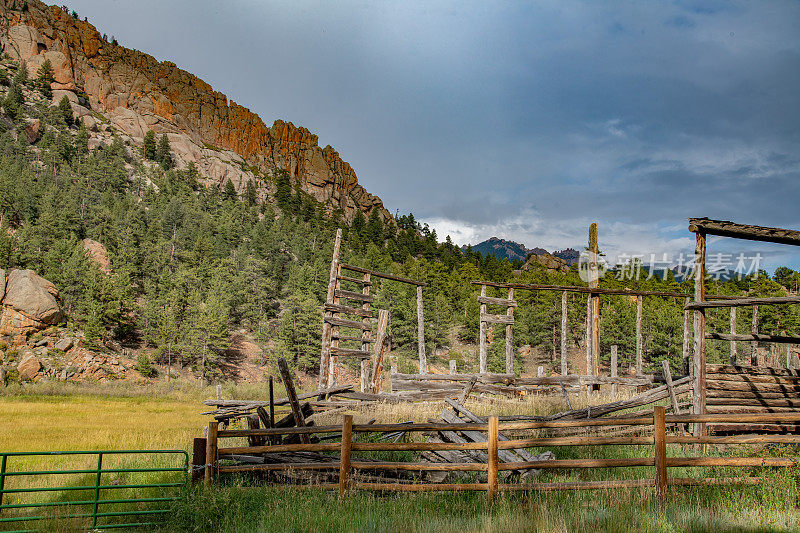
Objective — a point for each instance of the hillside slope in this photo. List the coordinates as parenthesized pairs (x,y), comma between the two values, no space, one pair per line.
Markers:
(137,93)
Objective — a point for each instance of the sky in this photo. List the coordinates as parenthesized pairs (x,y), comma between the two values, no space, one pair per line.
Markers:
(521,120)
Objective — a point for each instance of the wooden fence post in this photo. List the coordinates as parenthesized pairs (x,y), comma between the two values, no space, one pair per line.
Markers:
(493,438)
(639,340)
(344,466)
(327,329)
(211,452)
(482,336)
(198,459)
(510,336)
(423,361)
(660,441)
(453,369)
(699,361)
(614,370)
(733,332)
(564,333)
(754,344)
(687,340)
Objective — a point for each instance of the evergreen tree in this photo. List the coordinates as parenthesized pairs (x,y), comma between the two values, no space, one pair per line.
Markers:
(21,76)
(250,195)
(65,108)
(283,192)
(149,145)
(230,191)
(12,103)
(163,153)
(44,78)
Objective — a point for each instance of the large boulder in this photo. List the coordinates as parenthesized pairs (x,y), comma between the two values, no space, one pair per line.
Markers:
(98,254)
(33,296)
(28,367)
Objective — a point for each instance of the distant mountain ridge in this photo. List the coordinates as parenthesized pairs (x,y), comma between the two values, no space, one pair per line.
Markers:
(505,249)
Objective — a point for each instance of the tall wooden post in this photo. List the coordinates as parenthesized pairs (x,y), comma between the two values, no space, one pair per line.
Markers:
(482,348)
(733,332)
(510,336)
(687,340)
(326,327)
(493,438)
(754,344)
(614,370)
(589,358)
(378,349)
(639,340)
(453,369)
(365,334)
(594,282)
(699,363)
(564,333)
(660,442)
(423,362)
(344,465)
(211,452)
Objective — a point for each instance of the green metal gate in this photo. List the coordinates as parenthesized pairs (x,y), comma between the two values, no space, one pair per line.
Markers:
(94,509)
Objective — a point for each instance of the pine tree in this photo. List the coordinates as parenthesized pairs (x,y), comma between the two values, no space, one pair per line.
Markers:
(230,191)
(149,145)
(65,108)
(21,76)
(12,103)
(283,192)
(163,153)
(82,141)
(250,195)
(44,78)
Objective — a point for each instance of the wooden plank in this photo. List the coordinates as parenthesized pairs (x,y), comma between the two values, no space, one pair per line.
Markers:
(198,459)
(482,336)
(754,386)
(297,412)
(742,302)
(744,231)
(564,333)
(346,445)
(384,275)
(358,311)
(477,436)
(496,319)
(281,401)
(493,450)
(423,361)
(347,323)
(753,370)
(467,390)
(660,450)
(507,302)
(754,338)
(351,295)
(359,281)
(351,352)
(749,394)
(766,402)
(668,378)
(589,290)
(699,362)
(351,338)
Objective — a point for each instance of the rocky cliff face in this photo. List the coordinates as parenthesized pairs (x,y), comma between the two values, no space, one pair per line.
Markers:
(136,93)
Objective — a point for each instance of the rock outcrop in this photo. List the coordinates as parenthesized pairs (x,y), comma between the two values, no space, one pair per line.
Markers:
(137,93)
(549,262)
(29,303)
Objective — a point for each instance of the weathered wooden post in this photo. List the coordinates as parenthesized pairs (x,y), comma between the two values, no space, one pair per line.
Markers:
(198,459)
(699,363)
(754,343)
(378,349)
(589,358)
(453,369)
(668,380)
(660,442)
(365,334)
(564,333)
(291,394)
(594,283)
(733,333)
(324,361)
(614,370)
(211,452)
(687,340)
(344,465)
(510,335)
(639,340)
(493,438)
(482,339)
(423,362)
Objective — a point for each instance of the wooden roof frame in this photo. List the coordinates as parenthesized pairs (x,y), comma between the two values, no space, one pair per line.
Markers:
(749,232)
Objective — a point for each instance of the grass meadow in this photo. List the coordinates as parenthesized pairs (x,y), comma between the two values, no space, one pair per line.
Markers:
(124,416)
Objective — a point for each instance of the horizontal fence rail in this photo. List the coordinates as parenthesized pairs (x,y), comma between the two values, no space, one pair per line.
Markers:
(92,509)
(347,464)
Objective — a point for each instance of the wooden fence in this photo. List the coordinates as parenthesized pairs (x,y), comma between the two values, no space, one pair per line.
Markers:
(349,466)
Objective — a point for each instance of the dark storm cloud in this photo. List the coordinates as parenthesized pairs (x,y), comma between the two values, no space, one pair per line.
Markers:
(507,116)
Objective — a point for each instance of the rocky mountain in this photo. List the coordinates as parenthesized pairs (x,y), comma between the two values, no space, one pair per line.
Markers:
(106,82)
(503,249)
